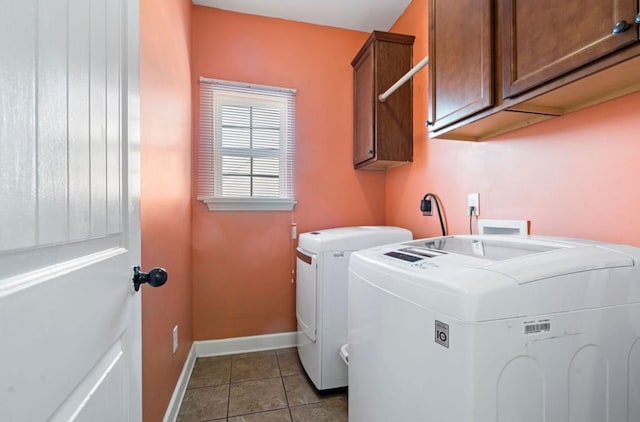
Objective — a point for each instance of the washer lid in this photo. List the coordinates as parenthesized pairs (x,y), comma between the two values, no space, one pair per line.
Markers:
(523,259)
(487,247)
(559,262)
(352,238)
(476,278)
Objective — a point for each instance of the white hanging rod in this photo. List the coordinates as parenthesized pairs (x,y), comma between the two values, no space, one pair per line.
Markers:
(383,97)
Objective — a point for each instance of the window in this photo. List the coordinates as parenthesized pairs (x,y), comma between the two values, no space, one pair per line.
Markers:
(246,146)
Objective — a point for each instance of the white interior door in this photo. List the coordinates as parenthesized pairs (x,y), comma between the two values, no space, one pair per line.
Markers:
(69,228)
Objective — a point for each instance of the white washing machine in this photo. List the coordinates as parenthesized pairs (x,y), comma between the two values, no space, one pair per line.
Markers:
(495,329)
(321,296)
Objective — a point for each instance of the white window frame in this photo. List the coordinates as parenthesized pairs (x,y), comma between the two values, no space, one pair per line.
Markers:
(212,151)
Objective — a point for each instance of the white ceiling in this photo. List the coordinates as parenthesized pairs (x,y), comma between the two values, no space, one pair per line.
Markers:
(360,15)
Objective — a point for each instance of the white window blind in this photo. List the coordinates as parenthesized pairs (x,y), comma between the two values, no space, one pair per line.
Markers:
(247,146)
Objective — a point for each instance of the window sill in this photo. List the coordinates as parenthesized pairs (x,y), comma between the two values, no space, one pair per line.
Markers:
(248,204)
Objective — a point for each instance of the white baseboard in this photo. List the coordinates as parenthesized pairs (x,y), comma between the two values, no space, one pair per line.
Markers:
(235,345)
(181,387)
(227,346)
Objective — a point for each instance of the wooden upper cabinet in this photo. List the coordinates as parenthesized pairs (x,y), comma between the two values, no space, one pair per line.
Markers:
(383,131)
(545,39)
(550,58)
(460,59)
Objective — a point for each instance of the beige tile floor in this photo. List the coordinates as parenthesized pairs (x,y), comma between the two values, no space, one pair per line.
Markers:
(266,386)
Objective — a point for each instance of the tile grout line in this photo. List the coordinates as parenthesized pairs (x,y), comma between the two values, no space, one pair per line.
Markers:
(229,389)
(284,389)
(251,380)
(257,412)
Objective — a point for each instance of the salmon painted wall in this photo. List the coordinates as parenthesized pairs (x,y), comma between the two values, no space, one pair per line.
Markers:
(165,103)
(242,261)
(575,176)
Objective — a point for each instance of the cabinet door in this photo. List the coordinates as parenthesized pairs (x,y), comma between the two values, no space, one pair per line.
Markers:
(394,117)
(460,59)
(544,39)
(364,119)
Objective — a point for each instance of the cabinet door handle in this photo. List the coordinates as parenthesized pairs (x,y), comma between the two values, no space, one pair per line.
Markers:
(370,152)
(638,18)
(620,27)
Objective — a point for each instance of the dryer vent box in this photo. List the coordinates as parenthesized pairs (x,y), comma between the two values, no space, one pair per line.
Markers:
(503,226)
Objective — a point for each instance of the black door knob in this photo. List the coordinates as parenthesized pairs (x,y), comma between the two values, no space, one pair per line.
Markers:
(156,277)
(620,27)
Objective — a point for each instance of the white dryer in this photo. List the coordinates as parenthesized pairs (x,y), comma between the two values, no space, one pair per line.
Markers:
(495,329)
(321,296)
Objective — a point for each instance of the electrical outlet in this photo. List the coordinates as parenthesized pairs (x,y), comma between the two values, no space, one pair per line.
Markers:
(175,338)
(473,200)
(294,231)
